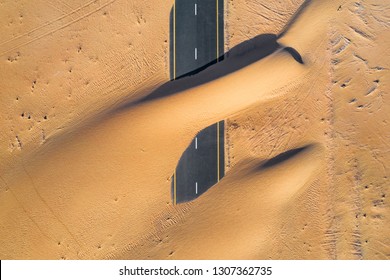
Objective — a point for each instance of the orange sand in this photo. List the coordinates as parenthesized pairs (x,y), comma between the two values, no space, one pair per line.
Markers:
(85,170)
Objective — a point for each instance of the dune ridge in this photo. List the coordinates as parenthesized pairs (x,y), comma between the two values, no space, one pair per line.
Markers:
(304,95)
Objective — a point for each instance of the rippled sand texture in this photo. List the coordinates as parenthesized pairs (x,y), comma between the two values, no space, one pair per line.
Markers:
(86,162)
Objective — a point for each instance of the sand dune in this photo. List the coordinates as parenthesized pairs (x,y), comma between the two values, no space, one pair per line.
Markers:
(92,130)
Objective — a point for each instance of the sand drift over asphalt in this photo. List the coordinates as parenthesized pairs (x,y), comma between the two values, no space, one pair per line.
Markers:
(302,93)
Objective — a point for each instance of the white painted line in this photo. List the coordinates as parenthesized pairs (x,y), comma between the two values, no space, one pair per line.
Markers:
(196,53)
(196,9)
(196,143)
(196,187)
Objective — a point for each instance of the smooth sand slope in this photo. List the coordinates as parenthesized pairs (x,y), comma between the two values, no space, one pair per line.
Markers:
(86,161)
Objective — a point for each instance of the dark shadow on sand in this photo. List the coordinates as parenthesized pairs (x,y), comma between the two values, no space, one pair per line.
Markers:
(283,157)
(238,57)
(294,54)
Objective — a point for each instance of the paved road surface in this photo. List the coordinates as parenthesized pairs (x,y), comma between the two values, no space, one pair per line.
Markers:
(197,35)
(201,166)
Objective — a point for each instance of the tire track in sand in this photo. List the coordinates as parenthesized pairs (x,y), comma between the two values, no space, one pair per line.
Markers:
(4,49)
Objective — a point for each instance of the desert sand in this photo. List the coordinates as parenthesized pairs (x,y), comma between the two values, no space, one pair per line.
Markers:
(86,161)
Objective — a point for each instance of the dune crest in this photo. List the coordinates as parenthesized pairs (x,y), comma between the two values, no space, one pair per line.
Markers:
(92,130)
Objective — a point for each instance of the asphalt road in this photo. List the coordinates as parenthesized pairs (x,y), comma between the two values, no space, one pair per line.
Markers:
(201,166)
(196,36)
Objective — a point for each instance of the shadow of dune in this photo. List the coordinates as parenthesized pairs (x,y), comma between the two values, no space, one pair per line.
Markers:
(283,157)
(238,57)
(295,54)
(235,59)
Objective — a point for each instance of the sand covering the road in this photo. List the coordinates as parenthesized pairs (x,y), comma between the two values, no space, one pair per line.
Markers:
(85,170)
